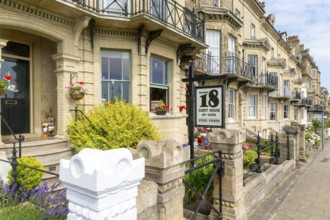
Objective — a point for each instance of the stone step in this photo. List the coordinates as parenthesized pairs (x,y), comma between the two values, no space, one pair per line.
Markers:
(50,156)
(34,147)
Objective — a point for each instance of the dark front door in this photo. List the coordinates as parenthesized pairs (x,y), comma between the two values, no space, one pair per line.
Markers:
(15,103)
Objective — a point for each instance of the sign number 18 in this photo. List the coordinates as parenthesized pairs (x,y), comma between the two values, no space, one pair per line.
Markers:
(213,99)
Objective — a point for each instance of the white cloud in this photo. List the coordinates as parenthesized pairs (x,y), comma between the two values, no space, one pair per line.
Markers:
(311,21)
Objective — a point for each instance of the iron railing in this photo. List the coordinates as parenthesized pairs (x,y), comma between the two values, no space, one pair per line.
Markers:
(76,117)
(274,153)
(218,168)
(19,139)
(265,79)
(296,95)
(307,101)
(168,12)
(216,65)
(282,92)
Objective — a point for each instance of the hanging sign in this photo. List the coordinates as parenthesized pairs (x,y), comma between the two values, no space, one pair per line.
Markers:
(209,108)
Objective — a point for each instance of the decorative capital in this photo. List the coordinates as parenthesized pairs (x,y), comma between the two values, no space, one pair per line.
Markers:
(291,129)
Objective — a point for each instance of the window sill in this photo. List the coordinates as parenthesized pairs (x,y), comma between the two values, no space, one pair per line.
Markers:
(167,116)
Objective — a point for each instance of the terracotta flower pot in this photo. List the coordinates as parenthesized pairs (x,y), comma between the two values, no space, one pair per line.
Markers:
(77,96)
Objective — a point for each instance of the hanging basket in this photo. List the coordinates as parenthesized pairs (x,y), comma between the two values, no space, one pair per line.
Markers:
(77,96)
(3,91)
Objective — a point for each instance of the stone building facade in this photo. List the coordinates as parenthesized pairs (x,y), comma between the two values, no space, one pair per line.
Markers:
(135,50)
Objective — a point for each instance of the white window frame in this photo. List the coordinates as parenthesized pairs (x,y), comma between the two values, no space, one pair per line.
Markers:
(165,85)
(231,104)
(109,81)
(231,54)
(272,111)
(253,61)
(263,106)
(286,112)
(213,41)
(252,102)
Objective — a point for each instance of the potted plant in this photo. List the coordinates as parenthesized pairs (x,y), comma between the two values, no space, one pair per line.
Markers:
(77,90)
(161,108)
(4,83)
(199,179)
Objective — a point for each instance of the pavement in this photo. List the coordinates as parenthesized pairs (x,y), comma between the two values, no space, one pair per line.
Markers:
(304,195)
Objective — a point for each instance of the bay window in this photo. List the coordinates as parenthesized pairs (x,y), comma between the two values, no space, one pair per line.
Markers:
(115,76)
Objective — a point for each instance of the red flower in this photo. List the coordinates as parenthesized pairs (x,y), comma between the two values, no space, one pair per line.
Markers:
(81,83)
(199,140)
(7,77)
(14,83)
(250,145)
(244,148)
(182,107)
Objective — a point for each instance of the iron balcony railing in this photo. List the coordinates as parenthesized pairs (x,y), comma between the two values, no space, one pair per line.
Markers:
(307,101)
(282,92)
(265,79)
(296,95)
(216,65)
(168,12)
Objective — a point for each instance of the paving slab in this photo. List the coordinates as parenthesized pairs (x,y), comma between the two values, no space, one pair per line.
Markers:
(304,195)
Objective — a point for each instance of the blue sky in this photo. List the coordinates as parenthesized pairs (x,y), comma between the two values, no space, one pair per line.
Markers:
(310,19)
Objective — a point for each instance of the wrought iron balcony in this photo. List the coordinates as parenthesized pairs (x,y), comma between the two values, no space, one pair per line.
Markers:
(307,101)
(316,108)
(265,80)
(167,12)
(282,93)
(215,65)
(296,96)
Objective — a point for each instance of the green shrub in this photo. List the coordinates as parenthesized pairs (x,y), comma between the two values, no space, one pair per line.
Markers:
(27,178)
(24,211)
(249,157)
(316,124)
(199,178)
(112,126)
(20,212)
(327,123)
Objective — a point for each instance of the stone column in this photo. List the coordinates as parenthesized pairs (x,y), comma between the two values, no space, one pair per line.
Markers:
(102,184)
(165,166)
(66,66)
(301,140)
(293,132)
(3,43)
(230,143)
(141,79)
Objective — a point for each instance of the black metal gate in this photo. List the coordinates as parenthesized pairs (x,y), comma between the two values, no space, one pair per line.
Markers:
(198,180)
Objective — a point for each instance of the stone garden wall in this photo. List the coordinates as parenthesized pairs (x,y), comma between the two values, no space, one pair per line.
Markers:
(146,183)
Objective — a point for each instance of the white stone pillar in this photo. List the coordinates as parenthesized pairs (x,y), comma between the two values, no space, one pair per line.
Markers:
(3,43)
(102,184)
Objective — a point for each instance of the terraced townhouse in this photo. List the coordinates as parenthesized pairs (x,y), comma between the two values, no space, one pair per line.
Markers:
(271,79)
(138,51)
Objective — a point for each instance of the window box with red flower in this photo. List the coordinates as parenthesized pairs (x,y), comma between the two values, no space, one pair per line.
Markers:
(161,108)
